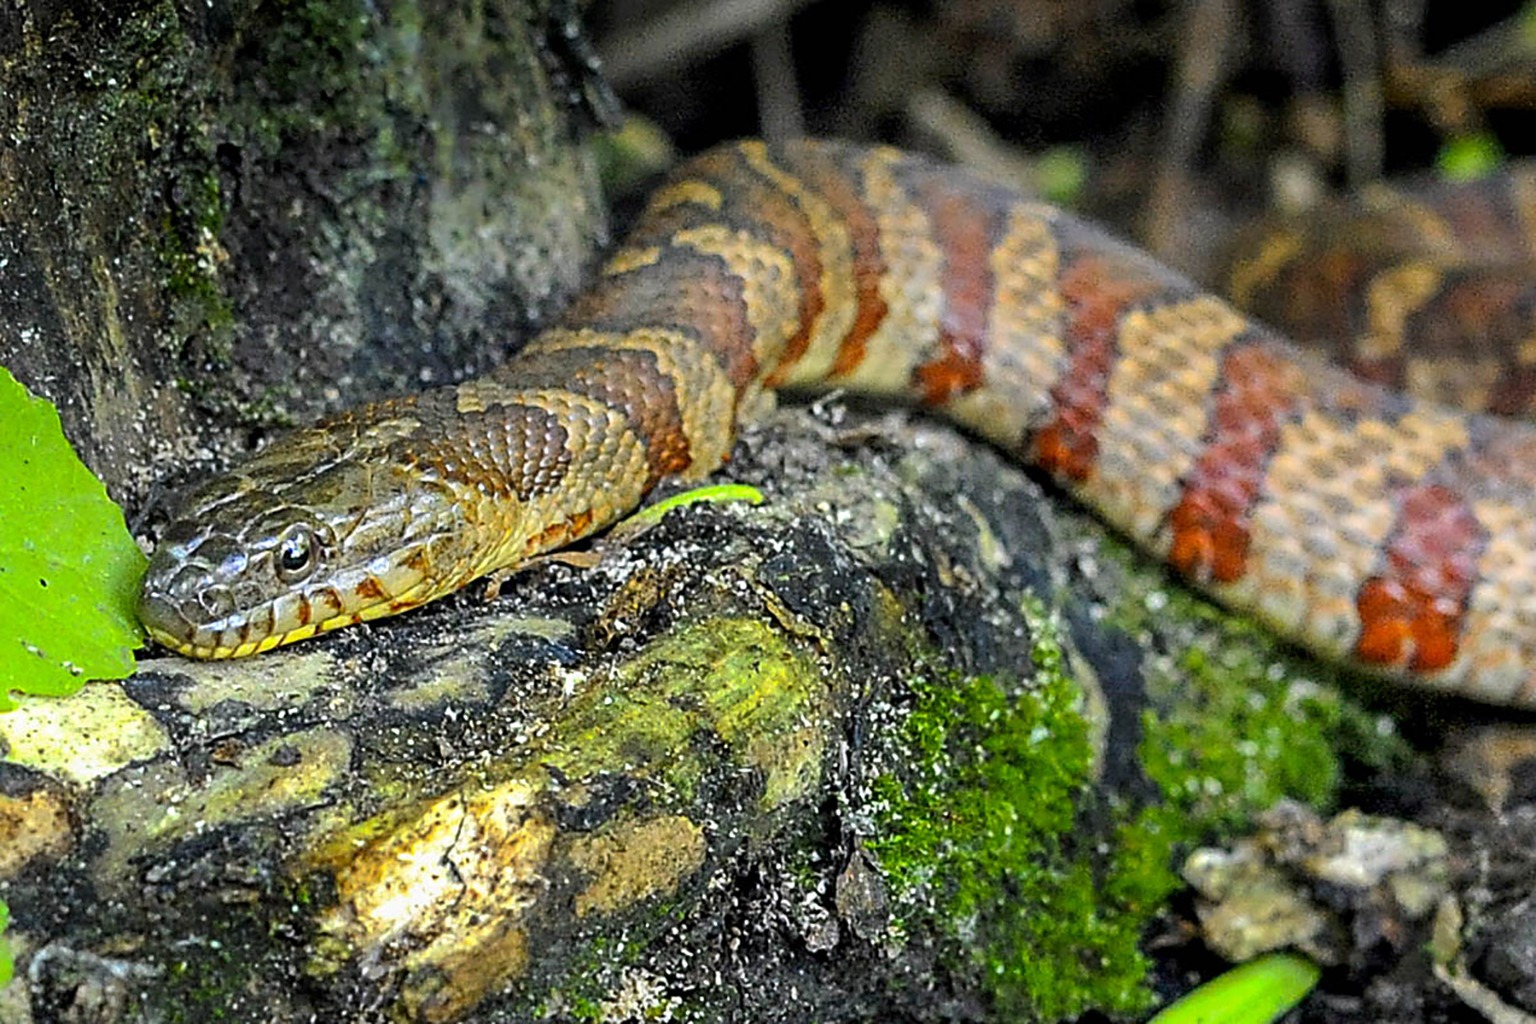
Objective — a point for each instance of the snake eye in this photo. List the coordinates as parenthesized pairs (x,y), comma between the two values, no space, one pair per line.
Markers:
(295,552)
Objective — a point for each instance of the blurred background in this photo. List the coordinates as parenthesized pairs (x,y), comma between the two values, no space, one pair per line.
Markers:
(1166,119)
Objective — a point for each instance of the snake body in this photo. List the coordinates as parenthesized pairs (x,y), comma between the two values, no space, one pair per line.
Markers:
(1376,529)
(1429,287)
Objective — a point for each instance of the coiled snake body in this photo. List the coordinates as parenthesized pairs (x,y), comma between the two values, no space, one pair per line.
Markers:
(1373,528)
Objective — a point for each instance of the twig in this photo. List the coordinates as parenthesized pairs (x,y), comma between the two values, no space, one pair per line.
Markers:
(778,96)
(687,33)
(1203,66)
(1363,105)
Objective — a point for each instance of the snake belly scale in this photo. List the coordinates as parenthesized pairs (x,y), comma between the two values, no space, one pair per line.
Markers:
(1375,529)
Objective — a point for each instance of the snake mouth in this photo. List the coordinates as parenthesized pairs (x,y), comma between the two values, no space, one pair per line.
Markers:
(231,637)
(221,652)
(219,645)
(238,637)
(167,626)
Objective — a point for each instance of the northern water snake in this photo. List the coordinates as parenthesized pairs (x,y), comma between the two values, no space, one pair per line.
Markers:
(1376,529)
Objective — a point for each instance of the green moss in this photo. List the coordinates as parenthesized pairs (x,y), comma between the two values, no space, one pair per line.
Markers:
(309,71)
(216,977)
(333,69)
(1240,721)
(143,135)
(587,1009)
(1236,722)
(192,254)
(976,836)
(1247,739)
(1141,874)
(977,842)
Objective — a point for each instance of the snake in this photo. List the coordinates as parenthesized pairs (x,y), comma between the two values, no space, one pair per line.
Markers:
(1381,531)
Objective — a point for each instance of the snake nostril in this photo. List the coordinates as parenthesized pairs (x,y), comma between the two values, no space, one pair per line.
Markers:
(217,601)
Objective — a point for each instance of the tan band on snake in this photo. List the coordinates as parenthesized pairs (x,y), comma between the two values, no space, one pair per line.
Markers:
(1375,529)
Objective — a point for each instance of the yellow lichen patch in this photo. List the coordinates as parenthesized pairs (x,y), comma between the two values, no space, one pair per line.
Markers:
(736,677)
(790,762)
(151,806)
(31,826)
(452,884)
(461,978)
(757,684)
(82,738)
(635,860)
(449,890)
(766,702)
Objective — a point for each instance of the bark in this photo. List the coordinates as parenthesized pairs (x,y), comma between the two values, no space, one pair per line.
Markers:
(677,778)
(220,217)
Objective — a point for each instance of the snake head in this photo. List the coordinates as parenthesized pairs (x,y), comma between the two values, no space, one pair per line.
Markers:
(307,536)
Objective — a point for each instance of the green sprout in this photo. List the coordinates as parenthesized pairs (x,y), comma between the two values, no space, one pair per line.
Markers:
(1256,992)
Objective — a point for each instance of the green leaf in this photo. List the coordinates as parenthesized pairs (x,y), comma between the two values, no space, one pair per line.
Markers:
(6,965)
(1258,992)
(1469,157)
(1063,174)
(69,569)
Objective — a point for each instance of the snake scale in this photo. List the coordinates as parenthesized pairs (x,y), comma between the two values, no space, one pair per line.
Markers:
(1378,530)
